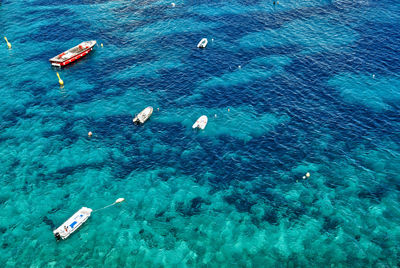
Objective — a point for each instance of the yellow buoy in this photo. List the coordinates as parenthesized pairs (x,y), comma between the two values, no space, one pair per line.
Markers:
(101,44)
(308,174)
(60,80)
(8,43)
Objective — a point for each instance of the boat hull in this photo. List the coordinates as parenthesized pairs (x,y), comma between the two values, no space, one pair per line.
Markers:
(71,60)
(203,43)
(143,116)
(60,60)
(201,122)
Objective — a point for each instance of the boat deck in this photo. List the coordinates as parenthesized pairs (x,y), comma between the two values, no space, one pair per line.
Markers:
(73,223)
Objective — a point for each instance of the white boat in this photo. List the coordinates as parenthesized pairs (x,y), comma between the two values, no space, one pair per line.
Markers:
(73,223)
(203,43)
(201,122)
(143,116)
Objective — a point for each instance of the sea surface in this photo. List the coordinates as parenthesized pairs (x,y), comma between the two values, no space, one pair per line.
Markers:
(299,86)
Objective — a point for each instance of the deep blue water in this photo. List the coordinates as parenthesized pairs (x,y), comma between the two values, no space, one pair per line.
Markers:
(295,87)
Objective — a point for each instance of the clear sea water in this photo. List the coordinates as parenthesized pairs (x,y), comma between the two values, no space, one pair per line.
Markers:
(300,86)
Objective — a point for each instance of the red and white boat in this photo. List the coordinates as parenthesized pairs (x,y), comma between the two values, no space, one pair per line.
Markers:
(73,54)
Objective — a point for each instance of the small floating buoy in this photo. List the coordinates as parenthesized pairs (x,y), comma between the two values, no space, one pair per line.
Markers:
(90,134)
(119,200)
(8,43)
(229,110)
(173,4)
(308,174)
(373,76)
(101,44)
(215,115)
(240,67)
(304,177)
(212,39)
(60,80)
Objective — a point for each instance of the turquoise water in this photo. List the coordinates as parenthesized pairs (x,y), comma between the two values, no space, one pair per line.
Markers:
(302,86)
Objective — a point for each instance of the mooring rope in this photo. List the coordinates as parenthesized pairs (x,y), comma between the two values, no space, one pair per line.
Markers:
(119,200)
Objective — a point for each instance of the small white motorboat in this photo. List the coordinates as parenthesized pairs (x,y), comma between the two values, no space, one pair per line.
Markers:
(203,43)
(143,116)
(73,223)
(201,122)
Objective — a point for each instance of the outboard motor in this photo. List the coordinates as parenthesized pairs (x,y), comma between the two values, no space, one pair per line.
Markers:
(57,236)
